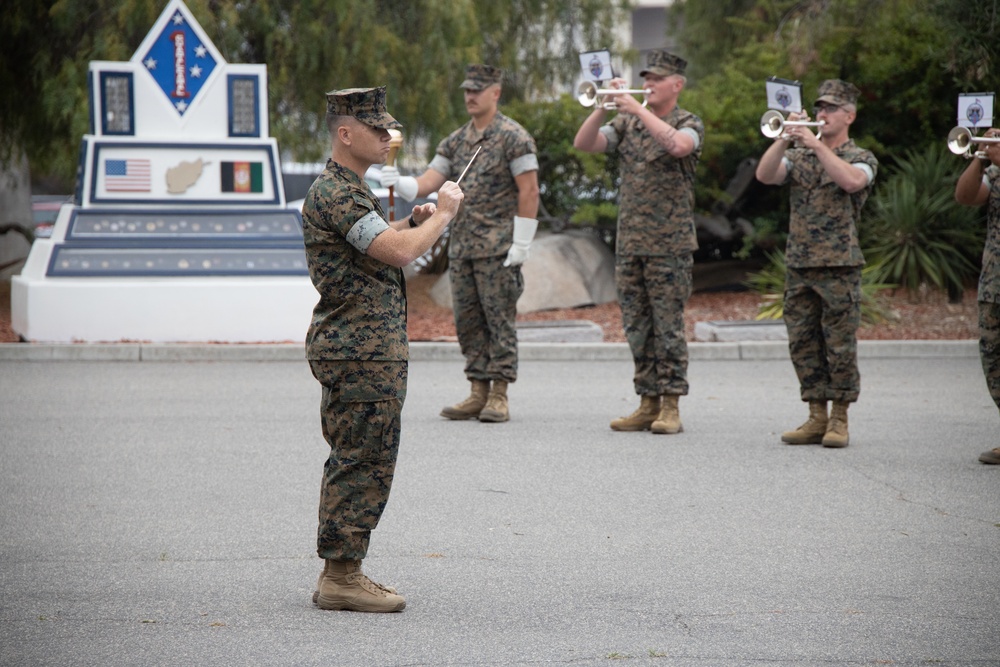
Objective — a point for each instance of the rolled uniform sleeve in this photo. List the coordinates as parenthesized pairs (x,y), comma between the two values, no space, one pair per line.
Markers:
(524,164)
(363,232)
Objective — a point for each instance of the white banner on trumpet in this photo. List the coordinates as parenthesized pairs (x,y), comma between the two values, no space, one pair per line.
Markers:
(975,110)
(784,95)
(596,65)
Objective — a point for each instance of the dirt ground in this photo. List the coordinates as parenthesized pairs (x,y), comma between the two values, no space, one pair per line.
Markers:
(930,317)
(933,318)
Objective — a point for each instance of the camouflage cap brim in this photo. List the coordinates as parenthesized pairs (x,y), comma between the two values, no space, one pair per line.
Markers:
(382,121)
(659,71)
(365,104)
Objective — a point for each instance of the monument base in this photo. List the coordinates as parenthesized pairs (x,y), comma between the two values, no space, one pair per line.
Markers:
(164,310)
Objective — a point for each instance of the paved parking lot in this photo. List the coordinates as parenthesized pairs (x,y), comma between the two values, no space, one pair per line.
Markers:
(164,514)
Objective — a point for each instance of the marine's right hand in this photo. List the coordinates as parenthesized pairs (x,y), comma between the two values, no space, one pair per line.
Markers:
(450,197)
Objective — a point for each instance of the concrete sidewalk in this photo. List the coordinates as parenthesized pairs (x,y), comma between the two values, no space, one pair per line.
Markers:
(164,514)
(421,351)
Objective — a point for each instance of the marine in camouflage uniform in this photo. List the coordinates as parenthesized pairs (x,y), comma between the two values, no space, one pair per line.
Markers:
(357,349)
(659,147)
(980,184)
(485,250)
(822,307)
(356,344)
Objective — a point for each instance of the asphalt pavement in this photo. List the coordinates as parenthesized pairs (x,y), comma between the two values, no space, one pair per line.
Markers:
(161,510)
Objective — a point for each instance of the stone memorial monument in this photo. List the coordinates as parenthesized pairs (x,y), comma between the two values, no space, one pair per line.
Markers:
(179,230)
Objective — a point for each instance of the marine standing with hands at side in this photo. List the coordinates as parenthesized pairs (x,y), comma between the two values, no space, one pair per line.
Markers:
(659,146)
(356,344)
(488,241)
(980,184)
(831,178)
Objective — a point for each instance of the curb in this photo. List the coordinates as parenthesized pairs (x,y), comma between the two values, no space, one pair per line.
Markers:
(265,352)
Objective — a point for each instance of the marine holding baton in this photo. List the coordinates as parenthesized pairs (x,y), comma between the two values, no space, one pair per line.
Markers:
(489,240)
(356,344)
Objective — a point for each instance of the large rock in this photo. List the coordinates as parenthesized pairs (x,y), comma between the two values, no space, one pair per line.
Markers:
(566,270)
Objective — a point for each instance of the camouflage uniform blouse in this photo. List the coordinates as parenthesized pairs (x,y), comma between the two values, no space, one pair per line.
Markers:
(484,226)
(656,195)
(989,279)
(361,313)
(822,227)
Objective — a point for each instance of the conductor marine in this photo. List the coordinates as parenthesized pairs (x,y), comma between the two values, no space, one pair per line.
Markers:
(356,344)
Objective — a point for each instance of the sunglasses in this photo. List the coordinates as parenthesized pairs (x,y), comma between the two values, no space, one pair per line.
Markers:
(828,108)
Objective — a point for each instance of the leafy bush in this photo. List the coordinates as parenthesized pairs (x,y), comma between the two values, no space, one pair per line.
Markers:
(914,229)
(576,188)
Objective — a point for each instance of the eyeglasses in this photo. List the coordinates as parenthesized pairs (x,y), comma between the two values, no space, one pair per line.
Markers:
(828,108)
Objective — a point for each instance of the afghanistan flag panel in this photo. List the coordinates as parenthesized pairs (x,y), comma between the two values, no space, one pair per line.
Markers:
(242,177)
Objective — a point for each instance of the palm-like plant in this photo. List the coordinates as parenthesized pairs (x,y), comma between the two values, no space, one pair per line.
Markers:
(769,282)
(915,230)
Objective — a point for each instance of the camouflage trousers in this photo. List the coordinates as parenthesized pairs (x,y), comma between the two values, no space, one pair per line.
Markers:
(989,346)
(360,412)
(652,292)
(484,295)
(822,315)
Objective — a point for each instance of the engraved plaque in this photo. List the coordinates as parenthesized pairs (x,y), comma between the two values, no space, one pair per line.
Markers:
(243,107)
(116,103)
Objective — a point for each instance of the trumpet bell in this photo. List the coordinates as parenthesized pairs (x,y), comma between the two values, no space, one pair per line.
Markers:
(772,124)
(959,140)
(586,93)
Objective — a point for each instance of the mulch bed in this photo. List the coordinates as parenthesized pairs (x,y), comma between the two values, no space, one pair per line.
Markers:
(921,317)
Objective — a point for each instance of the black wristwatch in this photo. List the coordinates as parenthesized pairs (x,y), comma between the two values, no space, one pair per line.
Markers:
(413,223)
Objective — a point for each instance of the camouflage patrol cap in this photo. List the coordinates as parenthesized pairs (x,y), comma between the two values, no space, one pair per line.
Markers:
(365,104)
(835,91)
(478,77)
(663,63)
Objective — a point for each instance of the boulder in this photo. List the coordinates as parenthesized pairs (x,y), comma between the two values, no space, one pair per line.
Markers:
(567,270)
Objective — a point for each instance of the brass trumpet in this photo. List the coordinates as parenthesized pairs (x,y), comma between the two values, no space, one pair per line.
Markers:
(588,92)
(960,141)
(773,124)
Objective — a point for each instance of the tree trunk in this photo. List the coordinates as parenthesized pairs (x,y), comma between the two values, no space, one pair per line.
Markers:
(15,209)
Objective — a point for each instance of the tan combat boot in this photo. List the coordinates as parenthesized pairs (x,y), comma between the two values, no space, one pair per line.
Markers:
(496,409)
(319,583)
(669,419)
(344,586)
(471,406)
(812,432)
(641,419)
(836,430)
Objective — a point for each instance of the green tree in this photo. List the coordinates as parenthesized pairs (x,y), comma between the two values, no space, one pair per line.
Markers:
(904,55)
(418,48)
(578,188)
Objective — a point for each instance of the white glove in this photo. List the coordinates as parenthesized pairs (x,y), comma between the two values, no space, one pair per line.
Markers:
(406,186)
(524,234)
